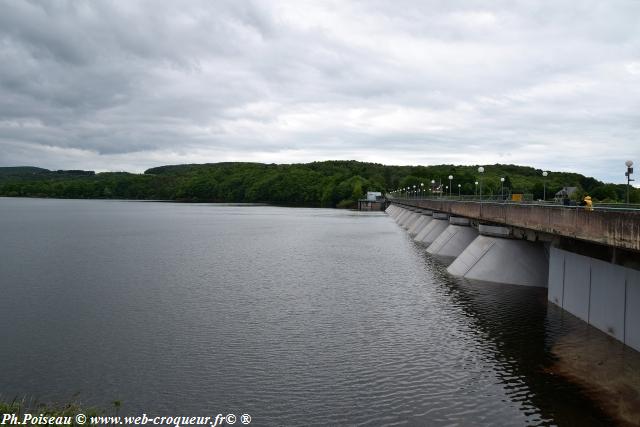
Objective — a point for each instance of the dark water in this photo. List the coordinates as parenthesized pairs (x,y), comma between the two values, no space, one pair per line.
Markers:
(295,316)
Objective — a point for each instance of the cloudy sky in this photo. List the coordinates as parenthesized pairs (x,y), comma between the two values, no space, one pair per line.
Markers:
(127,85)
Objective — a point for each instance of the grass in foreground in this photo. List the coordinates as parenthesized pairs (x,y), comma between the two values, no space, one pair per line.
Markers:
(51,414)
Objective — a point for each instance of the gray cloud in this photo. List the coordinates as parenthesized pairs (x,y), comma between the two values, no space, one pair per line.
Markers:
(131,85)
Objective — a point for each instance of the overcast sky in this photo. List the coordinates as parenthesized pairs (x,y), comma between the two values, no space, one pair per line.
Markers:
(127,85)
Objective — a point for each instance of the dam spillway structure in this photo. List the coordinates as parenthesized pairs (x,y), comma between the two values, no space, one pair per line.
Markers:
(453,240)
(436,226)
(589,261)
(601,293)
(427,218)
(403,216)
(494,256)
(417,226)
(411,219)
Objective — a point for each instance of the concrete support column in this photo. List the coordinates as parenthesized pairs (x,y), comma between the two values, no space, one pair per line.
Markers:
(428,217)
(412,220)
(453,240)
(602,294)
(417,226)
(502,260)
(436,226)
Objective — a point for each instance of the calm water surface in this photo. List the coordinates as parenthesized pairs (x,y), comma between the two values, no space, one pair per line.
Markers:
(295,316)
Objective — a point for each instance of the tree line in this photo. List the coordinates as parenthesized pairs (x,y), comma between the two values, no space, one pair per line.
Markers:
(326,184)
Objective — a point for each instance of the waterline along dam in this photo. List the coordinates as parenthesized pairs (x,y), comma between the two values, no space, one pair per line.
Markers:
(589,260)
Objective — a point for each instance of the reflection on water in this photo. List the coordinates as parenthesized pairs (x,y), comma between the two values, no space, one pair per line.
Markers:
(296,316)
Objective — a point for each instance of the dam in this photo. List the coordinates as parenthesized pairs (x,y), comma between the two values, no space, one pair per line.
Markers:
(588,260)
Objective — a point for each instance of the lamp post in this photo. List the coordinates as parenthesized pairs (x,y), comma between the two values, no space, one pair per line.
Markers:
(628,174)
(450,186)
(480,171)
(459,190)
(414,192)
(502,188)
(433,182)
(476,191)
(422,190)
(544,185)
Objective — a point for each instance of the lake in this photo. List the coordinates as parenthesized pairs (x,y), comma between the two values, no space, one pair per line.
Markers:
(294,316)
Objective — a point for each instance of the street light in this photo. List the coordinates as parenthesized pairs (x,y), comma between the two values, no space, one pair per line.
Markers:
(544,185)
(414,192)
(628,174)
(459,189)
(450,178)
(433,183)
(421,190)
(502,188)
(476,191)
(480,171)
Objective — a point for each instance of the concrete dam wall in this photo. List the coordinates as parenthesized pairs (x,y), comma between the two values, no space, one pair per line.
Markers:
(603,294)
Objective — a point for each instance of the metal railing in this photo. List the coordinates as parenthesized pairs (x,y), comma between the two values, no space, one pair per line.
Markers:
(526,200)
(466,198)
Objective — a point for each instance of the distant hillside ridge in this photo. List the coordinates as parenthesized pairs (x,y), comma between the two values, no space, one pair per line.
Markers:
(333,183)
(27,172)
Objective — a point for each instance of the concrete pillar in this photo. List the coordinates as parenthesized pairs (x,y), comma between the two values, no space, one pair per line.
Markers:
(399,211)
(632,309)
(577,284)
(440,215)
(494,230)
(603,294)
(391,209)
(400,218)
(501,260)
(424,229)
(607,298)
(412,220)
(404,218)
(407,215)
(458,220)
(453,240)
(433,230)
(555,294)
(419,225)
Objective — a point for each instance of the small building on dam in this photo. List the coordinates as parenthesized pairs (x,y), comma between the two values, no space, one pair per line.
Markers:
(589,260)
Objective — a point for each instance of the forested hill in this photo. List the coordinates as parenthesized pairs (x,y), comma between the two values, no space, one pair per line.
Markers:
(328,183)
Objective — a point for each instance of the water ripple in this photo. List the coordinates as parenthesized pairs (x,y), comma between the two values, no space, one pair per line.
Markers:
(296,316)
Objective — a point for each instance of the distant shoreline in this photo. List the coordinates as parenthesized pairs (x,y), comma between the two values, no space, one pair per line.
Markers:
(331,184)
